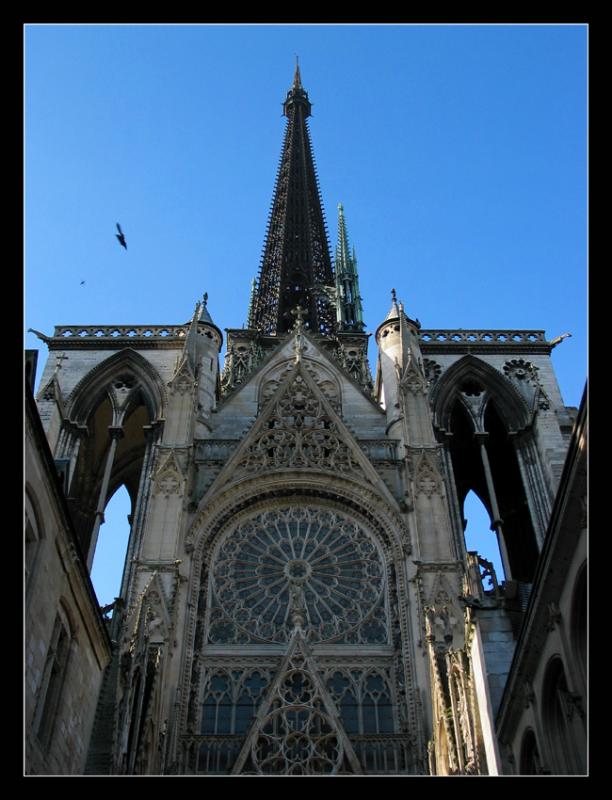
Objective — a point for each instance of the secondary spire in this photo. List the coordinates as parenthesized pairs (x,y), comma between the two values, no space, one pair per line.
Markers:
(348,300)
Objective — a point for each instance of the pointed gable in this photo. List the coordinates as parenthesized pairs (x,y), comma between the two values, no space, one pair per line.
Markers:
(298,428)
(297,730)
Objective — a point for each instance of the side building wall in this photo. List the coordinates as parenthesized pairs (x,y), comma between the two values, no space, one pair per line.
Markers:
(66,643)
(542,720)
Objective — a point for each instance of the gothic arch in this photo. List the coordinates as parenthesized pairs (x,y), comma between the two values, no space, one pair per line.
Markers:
(111,411)
(529,760)
(560,721)
(578,623)
(236,519)
(476,412)
(91,389)
(213,512)
(510,404)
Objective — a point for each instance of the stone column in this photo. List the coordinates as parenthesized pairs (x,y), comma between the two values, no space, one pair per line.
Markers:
(152,433)
(496,523)
(115,434)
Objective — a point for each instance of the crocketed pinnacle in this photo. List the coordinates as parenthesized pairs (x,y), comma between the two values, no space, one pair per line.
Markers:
(349,312)
(296,268)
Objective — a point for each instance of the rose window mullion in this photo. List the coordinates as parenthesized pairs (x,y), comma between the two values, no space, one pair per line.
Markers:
(315,562)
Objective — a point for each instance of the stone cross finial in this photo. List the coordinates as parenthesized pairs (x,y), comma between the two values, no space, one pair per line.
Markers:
(58,362)
(299,313)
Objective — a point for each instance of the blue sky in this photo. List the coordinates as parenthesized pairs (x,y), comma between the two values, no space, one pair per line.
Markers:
(458,152)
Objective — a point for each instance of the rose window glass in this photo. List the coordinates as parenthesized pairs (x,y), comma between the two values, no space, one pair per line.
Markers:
(311,566)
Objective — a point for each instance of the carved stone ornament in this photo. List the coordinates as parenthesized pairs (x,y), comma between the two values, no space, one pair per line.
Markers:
(183,380)
(427,479)
(432,370)
(554,616)
(121,390)
(301,430)
(413,379)
(297,730)
(168,479)
(520,370)
(241,360)
(323,379)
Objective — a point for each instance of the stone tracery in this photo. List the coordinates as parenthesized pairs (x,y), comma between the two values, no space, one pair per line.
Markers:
(317,558)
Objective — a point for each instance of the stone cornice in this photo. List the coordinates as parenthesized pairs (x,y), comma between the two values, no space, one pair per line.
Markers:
(115,337)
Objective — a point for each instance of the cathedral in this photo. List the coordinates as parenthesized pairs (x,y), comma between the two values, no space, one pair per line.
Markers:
(297,597)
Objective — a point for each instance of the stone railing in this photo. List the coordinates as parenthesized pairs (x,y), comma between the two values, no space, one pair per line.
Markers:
(382,753)
(71,332)
(379,449)
(482,337)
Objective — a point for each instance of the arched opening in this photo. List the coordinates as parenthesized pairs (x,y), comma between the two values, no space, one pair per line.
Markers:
(111,549)
(479,537)
(518,532)
(110,456)
(467,463)
(578,623)
(34,533)
(530,762)
(560,717)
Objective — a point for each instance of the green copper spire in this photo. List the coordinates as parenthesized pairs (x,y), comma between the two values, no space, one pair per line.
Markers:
(348,301)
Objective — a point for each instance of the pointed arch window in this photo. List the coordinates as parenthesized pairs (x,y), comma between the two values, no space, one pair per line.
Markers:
(561,722)
(34,533)
(53,679)
(530,761)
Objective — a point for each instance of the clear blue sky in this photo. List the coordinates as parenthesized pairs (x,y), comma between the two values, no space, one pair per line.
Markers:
(458,152)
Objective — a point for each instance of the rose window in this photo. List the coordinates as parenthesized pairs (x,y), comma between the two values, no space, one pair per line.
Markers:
(312,567)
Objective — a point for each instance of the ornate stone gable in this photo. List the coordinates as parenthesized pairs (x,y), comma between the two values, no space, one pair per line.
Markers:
(298,428)
(324,378)
(297,730)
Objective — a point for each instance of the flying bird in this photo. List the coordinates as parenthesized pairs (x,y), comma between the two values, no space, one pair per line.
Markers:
(82,283)
(121,237)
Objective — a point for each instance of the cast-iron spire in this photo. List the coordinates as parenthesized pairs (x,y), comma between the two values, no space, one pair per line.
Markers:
(348,301)
(296,267)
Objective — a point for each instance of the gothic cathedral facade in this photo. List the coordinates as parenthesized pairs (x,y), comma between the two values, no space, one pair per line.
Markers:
(297,596)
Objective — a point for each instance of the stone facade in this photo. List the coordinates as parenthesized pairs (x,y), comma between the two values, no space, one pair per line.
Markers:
(546,732)
(67,647)
(299,435)
(297,597)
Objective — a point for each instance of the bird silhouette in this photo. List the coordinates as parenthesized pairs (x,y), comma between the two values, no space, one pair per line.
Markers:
(82,283)
(121,237)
